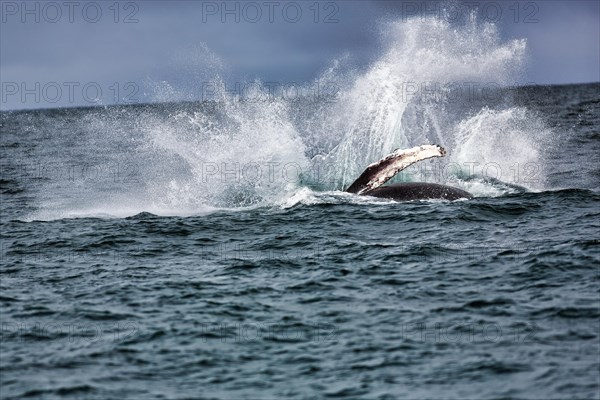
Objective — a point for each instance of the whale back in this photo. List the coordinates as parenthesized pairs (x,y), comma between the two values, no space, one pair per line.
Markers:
(418,191)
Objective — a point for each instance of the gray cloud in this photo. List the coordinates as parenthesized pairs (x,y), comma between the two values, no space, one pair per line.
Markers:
(179,42)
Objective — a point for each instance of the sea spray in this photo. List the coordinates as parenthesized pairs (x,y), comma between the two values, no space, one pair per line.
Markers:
(434,82)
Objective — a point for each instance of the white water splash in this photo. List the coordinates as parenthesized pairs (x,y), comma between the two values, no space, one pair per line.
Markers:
(503,145)
(384,109)
(263,149)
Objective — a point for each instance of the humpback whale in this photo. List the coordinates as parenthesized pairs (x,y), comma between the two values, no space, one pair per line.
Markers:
(370,182)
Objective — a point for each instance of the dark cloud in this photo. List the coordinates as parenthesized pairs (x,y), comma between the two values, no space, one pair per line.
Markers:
(163,44)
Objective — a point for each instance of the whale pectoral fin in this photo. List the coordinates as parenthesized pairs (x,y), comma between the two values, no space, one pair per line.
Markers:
(383,170)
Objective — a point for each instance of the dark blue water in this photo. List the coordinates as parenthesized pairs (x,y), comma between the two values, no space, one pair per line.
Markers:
(110,289)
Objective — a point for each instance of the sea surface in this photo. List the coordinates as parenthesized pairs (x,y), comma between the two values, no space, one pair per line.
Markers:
(207,249)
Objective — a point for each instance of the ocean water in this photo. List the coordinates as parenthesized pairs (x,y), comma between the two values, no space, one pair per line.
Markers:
(207,249)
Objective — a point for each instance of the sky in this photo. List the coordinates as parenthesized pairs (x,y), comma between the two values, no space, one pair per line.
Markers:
(85,53)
